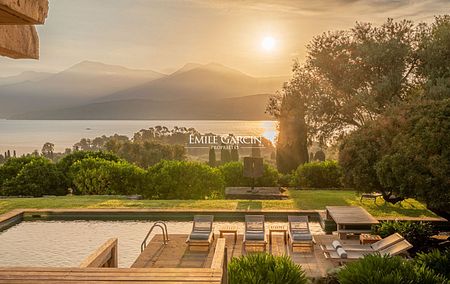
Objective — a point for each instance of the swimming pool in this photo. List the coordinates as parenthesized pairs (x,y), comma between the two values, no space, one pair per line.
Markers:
(67,243)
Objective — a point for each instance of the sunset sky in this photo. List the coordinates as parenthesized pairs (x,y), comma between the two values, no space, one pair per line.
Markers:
(260,38)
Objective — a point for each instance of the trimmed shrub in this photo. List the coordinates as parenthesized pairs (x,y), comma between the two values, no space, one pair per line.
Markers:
(12,167)
(385,269)
(67,161)
(326,174)
(417,233)
(35,176)
(233,174)
(435,260)
(98,176)
(265,268)
(183,180)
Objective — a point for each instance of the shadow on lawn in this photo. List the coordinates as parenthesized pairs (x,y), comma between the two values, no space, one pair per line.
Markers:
(249,205)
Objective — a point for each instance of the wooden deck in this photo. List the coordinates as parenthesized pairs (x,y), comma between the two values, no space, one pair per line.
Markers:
(94,270)
(176,254)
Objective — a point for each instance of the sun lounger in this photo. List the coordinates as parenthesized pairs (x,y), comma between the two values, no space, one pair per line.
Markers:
(299,234)
(255,233)
(341,255)
(202,232)
(377,246)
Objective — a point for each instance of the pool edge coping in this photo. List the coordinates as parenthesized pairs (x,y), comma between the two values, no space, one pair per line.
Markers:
(19,213)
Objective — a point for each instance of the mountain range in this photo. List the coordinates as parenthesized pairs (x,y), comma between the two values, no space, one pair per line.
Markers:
(93,90)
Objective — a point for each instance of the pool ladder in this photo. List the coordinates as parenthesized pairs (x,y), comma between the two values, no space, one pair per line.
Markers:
(159,224)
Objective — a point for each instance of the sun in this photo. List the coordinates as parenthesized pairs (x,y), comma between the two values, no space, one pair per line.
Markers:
(268,43)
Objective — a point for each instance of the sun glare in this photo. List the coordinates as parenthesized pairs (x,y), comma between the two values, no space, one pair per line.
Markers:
(268,43)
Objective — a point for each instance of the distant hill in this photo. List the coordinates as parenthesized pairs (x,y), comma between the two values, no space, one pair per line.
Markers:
(23,77)
(77,85)
(240,108)
(92,90)
(200,82)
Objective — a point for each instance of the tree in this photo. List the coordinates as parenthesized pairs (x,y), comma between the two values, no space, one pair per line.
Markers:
(417,163)
(434,58)
(290,108)
(48,149)
(212,157)
(403,154)
(235,154)
(361,72)
(148,153)
(225,155)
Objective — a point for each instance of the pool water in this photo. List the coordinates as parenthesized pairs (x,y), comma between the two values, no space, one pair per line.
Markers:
(68,243)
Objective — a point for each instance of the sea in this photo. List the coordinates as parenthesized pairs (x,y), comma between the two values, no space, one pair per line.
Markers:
(25,136)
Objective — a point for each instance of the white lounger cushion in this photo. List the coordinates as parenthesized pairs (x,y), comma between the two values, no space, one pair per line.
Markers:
(336,244)
(341,252)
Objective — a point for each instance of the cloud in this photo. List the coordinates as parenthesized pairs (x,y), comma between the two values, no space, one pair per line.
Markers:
(398,8)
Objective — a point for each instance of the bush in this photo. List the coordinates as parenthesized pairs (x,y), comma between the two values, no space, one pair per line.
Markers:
(378,269)
(435,260)
(36,176)
(265,268)
(417,233)
(326,174)
(183,180)
(66,162)
(12,167)
(98,176)
(233,174)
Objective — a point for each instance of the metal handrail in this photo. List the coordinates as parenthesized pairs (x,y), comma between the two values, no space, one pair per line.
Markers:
(159,224)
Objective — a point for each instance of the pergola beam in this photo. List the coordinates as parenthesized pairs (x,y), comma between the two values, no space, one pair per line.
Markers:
(18,36)
(19,42)
(23,12)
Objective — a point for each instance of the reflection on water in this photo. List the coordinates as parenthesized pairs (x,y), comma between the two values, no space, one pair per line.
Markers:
(67,243)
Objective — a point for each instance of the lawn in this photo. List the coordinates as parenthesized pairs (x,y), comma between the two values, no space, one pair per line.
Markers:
(300,199)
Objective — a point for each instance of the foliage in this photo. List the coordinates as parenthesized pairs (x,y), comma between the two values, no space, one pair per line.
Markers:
(183,180)
(212,157)
(233,174)
(265,268)
(378,269)
(351,77)
(417,233)
(326,174)
(403,154)
(287,179)
(436,260)
(434,58)
(147,153)
(417,162)
(290,109)
(234,154)
(12,167)
(33,176)
(225,155)
(48,149)
(98,176)
(65,163)
(162,134)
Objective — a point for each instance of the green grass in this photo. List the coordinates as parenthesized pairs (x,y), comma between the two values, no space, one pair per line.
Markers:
(300,199)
